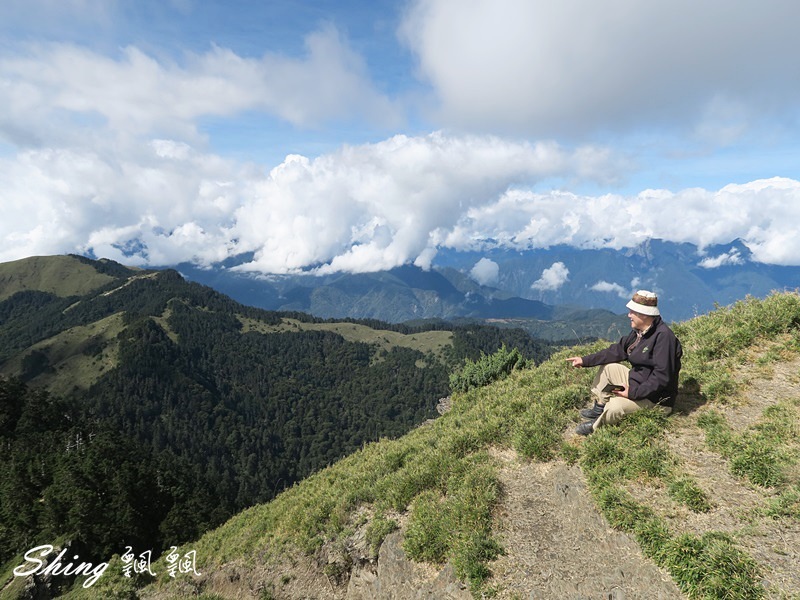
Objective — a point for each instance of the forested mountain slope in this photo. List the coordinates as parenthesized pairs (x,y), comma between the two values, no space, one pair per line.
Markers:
(147,409)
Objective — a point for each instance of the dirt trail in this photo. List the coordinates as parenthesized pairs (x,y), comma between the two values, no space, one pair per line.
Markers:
(738,507)
(559,547)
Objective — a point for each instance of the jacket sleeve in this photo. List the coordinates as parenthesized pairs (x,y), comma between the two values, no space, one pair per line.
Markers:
(613,354)
(665,358)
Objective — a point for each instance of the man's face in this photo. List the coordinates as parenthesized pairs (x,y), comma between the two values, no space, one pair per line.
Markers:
(639,321)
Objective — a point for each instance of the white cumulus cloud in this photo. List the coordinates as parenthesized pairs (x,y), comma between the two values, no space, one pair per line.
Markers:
(377,206)
(361,208)
(552,278)
(614,288)
(761,213)
(733,257)
(485,271)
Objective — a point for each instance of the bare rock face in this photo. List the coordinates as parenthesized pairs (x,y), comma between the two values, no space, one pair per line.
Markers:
(395,577)
(444,405)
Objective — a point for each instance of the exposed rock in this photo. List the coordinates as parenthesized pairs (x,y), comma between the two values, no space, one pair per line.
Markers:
(444,405)
(395,577)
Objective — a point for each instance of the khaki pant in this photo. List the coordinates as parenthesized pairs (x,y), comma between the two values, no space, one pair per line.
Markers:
(616,406)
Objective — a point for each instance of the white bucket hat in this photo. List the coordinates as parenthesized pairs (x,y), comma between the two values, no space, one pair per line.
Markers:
(645,303)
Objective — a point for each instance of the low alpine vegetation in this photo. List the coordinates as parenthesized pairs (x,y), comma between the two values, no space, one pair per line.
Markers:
(759,454)
(486,369)
(706,566)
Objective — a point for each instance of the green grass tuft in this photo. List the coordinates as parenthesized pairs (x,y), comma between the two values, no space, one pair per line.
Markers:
(456,526)
(786,504)
(758,454)
(712,567)
(378,529)
(686,491)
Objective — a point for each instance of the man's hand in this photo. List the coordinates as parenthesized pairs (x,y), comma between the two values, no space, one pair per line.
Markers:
(622,393)
(576,361)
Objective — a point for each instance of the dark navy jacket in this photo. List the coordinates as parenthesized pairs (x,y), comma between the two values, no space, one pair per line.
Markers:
(655,363)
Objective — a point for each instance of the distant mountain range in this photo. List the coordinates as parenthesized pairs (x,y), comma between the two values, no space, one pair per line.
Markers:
(559,284)
(688,281)
(408,294)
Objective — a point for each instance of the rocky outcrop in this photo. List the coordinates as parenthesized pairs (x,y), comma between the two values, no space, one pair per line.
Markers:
(395,577)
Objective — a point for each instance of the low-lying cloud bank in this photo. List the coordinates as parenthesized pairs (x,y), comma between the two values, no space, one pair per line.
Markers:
(365,208)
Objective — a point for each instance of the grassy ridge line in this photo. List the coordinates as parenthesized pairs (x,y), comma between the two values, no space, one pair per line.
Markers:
(722,337)
(434,471)
(426,341)
(60,275)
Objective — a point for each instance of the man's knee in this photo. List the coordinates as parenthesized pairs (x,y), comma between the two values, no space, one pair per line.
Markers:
(614,411)
(615,371)
(616,408)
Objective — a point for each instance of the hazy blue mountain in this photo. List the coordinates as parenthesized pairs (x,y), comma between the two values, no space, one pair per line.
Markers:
(688,282)
(401,294)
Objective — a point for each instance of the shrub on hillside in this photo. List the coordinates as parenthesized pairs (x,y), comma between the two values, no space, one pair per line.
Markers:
(486,369)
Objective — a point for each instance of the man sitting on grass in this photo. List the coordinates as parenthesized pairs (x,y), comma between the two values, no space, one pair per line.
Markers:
(654,354)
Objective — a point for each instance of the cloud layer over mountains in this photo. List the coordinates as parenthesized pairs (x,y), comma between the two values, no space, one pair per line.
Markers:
(368,207)
(113,152)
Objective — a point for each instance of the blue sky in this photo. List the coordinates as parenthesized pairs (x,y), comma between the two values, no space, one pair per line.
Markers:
(356,136)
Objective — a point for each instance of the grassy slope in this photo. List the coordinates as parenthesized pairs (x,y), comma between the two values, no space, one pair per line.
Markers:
(60,275)
(78,356)
(426,342)
(442,477)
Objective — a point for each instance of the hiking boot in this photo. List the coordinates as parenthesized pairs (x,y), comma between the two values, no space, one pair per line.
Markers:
(594,412)
(585,428)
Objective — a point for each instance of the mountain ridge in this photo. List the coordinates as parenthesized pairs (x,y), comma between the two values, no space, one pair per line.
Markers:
(390,296)
(690,280)
(63,275)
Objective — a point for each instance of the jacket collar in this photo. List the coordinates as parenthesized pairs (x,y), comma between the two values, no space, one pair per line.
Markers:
(649,331)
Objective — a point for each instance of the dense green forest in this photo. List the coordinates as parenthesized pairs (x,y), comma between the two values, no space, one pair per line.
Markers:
(199,418)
